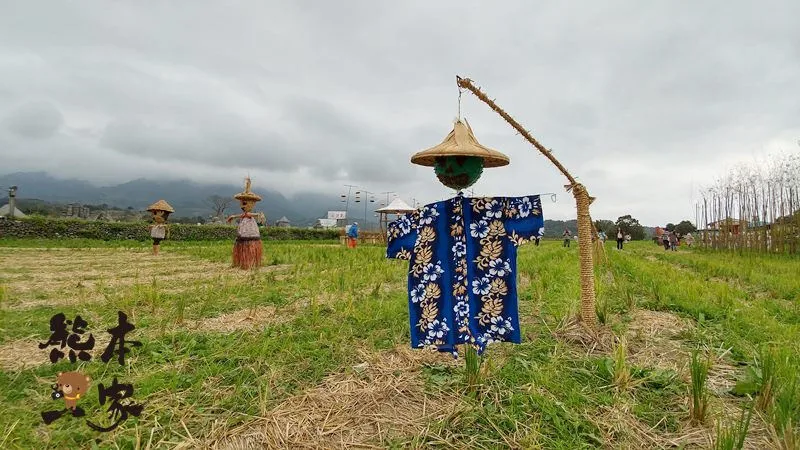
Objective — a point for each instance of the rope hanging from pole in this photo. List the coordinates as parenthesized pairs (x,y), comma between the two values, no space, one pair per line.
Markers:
(582,200)
(459,102)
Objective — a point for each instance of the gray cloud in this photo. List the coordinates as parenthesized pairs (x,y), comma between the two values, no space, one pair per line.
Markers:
(35,120)
(221,141)
(636,100)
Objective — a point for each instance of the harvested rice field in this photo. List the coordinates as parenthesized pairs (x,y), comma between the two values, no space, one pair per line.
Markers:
(312,351)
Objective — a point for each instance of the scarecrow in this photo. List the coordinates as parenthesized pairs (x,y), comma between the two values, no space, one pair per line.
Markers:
(159,230)
(247,251)
(462,251)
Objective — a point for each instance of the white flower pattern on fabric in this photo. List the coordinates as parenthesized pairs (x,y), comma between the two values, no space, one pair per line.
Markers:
(501,326)
(438,329)
(499,268)
(494,210)
(461,308)
(460,249)
(432,272)
(404,224)
(485,339)
(418,293)
(524,207)
(435,332)
(481,286)
(428,215)
(479,229)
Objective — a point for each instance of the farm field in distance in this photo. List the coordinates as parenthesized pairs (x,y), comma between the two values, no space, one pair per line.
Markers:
(313,350)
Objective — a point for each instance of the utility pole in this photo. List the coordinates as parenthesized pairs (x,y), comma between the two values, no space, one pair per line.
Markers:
(387,196)
(366,201)
(347,201)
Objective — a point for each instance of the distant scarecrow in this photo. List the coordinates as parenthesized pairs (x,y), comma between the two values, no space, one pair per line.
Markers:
(159,230)
(247,252)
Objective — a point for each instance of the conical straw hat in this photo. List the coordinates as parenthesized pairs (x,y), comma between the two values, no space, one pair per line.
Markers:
(161,205)
(460,142)
(247,194)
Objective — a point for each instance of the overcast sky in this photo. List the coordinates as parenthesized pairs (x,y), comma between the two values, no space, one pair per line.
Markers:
(643,102)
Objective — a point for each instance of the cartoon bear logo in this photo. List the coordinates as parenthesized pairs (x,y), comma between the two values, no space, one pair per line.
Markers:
(72,385)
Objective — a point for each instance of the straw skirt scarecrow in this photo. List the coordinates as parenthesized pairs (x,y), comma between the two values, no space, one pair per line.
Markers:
(247,251)
(159,230)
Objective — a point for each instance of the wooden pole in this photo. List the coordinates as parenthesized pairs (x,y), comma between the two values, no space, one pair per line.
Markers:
(582,201)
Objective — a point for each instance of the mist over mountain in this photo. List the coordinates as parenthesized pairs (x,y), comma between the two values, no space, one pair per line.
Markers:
(187,197)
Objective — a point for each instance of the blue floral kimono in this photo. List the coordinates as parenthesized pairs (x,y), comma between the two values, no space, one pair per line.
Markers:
(463,263)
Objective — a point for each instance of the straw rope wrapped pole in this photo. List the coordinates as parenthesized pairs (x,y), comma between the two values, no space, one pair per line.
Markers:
(582,200)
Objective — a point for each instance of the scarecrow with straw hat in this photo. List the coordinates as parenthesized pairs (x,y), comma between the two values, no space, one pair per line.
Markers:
(462,251)
(159,230)
(247,251)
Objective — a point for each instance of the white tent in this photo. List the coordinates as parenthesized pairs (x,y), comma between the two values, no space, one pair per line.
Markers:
(397,206)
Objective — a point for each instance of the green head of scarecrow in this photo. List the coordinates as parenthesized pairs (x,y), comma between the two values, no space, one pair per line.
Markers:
(459,160)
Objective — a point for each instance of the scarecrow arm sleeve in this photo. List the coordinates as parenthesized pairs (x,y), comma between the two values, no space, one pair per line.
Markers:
(402,237)
(523,218)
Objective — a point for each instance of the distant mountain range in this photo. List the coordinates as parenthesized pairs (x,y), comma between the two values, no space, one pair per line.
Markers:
(187,197)
(190,199)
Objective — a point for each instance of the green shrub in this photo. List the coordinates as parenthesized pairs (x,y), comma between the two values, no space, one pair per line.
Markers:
(49,228)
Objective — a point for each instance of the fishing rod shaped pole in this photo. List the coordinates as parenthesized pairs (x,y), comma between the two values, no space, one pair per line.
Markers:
(586,229)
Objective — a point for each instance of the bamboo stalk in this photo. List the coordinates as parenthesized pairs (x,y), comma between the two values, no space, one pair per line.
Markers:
(765,198)
(582,200)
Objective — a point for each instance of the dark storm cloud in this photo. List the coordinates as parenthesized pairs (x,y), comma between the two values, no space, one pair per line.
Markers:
(635,99)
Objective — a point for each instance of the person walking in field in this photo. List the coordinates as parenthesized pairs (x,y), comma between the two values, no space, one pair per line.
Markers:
(673,241)
(567,237)
(602,235)
(665,240)
(620,238)
(689,239)
(352,235)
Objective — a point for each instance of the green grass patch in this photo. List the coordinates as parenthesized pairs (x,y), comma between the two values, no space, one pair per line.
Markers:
(330,303)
